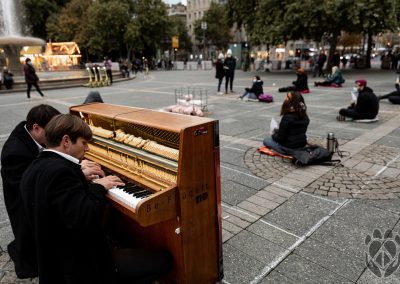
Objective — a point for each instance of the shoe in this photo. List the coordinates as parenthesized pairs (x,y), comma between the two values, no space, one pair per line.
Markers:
(232,91)
(340,118)
(252,100)
(220,93)
(315,84)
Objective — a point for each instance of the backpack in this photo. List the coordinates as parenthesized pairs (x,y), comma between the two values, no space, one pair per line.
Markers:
(266,98)
(313,155)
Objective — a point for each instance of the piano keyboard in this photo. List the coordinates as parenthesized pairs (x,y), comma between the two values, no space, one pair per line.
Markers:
(131,194)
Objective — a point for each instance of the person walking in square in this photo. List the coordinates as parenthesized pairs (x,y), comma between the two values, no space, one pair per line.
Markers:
(31,78)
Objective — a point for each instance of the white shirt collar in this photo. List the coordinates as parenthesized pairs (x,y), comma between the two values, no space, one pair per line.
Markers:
(66,156)
(40,147)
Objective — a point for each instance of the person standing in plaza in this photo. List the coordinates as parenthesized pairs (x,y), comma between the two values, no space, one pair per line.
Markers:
(321,61)
(229,66)
(20,149)
(219,72)
(31,78)
(108,64)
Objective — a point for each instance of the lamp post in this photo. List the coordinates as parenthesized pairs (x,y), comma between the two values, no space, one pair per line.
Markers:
(204,27)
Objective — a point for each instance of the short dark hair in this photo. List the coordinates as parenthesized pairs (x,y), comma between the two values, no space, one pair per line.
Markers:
(66,124)
(41,115)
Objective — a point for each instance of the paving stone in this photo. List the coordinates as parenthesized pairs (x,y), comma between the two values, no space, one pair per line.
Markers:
(226,235)
(239,267)
(240,213)
(343,237)
(301,270)
(234,193)
(254,208)
(279,191)
(346,265)
(271,196)
(272,233)
(276,277)
(236,221)
(255,246)
(263,202)
(364,215)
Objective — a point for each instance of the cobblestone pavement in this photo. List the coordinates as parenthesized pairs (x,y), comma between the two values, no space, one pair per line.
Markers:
(281,223)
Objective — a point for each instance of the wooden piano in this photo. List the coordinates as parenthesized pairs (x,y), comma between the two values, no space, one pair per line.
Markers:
(176,158)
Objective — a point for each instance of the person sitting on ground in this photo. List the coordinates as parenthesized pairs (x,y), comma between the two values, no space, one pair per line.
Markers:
(93,97)
(255,90)
(300,85)
(393,97)
(366,105)
(334,79)
(291,133)
(8,79)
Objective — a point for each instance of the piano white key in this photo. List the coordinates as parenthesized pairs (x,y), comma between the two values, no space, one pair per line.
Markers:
(125,197)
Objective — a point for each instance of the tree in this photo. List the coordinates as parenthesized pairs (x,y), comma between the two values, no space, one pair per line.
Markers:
(178,28)
(37,12)
(218,31)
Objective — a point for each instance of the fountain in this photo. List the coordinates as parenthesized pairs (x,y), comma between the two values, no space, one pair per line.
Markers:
(11,39)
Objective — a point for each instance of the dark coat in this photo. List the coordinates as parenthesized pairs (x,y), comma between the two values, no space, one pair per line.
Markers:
(229,65)
(66,212)
(292,131)
(30,74)
(18,153)
(257,88)
(301,83)
(219,70)
(367,103)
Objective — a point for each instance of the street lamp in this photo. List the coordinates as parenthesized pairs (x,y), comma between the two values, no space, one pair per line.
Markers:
(204,27)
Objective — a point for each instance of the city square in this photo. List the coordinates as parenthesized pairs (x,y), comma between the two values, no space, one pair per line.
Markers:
(281,223)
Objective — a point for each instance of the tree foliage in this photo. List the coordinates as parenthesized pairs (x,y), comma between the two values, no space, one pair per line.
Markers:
(275,21)
(218,31)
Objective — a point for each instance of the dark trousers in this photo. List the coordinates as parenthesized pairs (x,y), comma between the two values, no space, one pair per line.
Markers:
(229,76)
(220,83)
(30,87)
(352,113)
(109,74)
(321,70)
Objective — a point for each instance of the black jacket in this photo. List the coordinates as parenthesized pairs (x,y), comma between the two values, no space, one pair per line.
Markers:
(292,131)
(66,212)
(367,103)
(219,70)
(256,88)
(230,65)
(30,74)
(301,83)
(18,153)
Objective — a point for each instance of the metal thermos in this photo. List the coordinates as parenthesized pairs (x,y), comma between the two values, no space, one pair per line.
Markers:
(330,142)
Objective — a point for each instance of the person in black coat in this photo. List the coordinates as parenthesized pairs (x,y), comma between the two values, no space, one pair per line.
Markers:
(393,97)
(31,78)
(66,212)
(255,90)
(229,66)
(300,85)
(365,107)
(219,71)
(291,133)
(20,149)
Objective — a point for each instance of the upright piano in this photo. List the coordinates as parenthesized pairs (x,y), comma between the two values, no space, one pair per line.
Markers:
(172,160)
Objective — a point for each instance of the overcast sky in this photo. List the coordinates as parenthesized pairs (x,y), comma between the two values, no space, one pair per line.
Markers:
(175,1)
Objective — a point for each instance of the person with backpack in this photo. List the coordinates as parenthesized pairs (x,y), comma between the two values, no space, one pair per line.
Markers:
(334,79)
(255,91)
(291,133)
